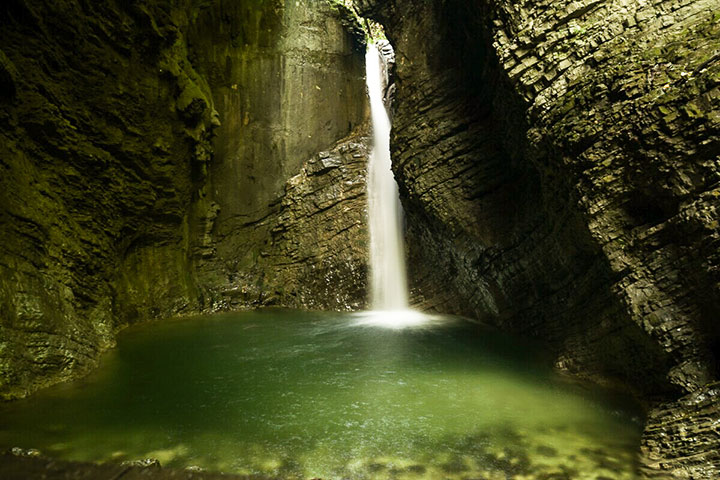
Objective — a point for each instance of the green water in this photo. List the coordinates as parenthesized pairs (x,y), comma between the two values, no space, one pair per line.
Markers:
(303,395)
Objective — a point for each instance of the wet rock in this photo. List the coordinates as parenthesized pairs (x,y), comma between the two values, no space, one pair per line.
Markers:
(323,164)
(192,105)
(416,469)
(553,476)
(8,74)
(376,467)
(317,250)
(455,465)
(563,158)
(25,452)
(681,438)
(286,230)
(143,463)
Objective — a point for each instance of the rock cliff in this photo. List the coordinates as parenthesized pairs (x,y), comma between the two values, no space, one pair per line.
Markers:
(559,167)
(287,89)
(150,156)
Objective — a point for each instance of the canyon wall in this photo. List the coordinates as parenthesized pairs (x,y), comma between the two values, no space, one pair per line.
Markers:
(151,152)
(559,165)
(288,86)
(559,168)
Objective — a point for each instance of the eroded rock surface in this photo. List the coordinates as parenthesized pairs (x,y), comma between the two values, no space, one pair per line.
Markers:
(312,248)
(682,436)
(286,88)
(559,164)
(143,145)
(104,127)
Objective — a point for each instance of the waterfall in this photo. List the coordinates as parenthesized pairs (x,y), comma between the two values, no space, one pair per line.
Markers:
(388,284)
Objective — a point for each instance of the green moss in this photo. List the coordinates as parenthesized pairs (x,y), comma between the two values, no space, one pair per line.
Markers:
(192,103)
(371,31)
(692,110)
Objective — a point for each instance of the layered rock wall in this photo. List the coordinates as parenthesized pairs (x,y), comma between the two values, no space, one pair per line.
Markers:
(141,141)
(559,166)
(98,153)
(288,85)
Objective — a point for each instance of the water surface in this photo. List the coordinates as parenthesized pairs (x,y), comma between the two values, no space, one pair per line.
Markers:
(304,395)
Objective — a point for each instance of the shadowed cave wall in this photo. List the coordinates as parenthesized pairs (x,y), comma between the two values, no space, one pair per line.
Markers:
(163,158)
(559,170)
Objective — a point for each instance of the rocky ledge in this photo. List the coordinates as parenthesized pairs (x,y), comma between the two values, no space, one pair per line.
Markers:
(310,251)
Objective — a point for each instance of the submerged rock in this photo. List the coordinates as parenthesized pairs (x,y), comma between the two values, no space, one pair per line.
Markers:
(546,451)
(25,452)
(144,463)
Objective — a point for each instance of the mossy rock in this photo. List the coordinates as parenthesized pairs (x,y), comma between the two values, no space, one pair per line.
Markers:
(8,76)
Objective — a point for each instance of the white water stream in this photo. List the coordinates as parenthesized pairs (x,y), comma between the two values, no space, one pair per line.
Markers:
(388,285)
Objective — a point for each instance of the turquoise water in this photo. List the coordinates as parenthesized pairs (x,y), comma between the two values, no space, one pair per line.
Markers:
(305,395)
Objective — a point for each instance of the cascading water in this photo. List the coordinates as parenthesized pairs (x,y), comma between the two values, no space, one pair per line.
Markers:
(388,286)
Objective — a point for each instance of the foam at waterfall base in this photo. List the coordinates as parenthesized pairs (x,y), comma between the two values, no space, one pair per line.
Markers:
(396,319)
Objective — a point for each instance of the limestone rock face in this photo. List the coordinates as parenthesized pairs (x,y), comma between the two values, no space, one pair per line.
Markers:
(559,167)
(145,154)
(98,151)
(314,252)
(681,437)
(290,84)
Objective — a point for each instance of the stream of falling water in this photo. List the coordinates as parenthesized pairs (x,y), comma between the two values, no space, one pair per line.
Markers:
(388,286)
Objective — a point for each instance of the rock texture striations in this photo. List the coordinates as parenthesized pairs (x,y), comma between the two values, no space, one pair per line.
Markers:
(559,165)
(103,128)
(289,84)
(151,158)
